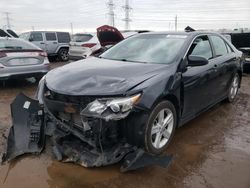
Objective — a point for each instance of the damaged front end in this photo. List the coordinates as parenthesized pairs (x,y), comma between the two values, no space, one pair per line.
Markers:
(83,129)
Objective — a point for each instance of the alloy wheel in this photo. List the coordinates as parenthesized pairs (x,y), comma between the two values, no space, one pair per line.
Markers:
(162,128)
(234,87)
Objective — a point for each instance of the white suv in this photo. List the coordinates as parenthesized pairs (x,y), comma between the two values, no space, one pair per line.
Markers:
(83,45)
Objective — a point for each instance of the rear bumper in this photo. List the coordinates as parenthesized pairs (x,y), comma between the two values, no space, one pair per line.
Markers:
(23,72)
(10,72)
(71,57)
(79,54)
(20,76)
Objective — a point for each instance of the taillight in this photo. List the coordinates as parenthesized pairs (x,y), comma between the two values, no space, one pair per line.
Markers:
(43,54)
(89,45)
(3,54)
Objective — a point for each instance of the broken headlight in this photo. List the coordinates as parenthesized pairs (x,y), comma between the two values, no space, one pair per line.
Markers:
(110,109)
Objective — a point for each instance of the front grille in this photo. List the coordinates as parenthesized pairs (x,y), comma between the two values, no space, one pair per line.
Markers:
(82,101)
(73,119)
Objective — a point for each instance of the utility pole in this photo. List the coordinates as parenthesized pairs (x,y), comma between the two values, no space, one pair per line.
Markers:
(71,27)
(127,10)
(111,13)
(7,20)
(33,28)
(175,23)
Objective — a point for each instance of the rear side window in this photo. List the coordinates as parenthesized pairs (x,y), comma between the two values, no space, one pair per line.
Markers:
(50,36)
(24,36)
(36,36)
(63,37)
(10,44)
(201,47)
(219,46)
(81,37)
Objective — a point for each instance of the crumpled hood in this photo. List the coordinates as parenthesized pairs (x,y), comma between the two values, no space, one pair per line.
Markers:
(95,76)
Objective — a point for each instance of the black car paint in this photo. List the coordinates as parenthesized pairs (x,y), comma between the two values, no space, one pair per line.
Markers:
(192,90)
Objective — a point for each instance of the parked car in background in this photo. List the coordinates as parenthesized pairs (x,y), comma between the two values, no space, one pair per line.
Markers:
(242,42)
(83,45)
(21,59)
(54,43)
(8,33)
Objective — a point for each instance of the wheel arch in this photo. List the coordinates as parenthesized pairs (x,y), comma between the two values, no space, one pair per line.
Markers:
(175,101)
(62,47)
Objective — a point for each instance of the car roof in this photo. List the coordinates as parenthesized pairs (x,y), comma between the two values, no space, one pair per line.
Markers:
(11,38)
(45,32)
(192,33)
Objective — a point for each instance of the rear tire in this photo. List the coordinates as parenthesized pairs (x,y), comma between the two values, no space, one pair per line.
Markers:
(63,54)
(234,88)
(160,127)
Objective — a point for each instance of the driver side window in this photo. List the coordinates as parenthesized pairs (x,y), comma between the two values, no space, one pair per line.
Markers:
(201,47)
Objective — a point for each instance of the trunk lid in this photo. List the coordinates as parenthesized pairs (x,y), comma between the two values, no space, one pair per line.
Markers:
(108,35)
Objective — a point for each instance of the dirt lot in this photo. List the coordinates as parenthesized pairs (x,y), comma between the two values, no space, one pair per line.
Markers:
(213,150)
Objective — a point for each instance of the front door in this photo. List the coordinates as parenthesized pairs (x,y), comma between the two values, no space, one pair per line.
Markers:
(38,39)
(198,80)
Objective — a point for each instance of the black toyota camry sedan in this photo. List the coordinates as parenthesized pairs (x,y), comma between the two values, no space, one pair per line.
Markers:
(133,95)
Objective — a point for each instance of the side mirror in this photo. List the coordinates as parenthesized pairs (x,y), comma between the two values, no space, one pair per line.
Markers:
(194,60)
(30,39)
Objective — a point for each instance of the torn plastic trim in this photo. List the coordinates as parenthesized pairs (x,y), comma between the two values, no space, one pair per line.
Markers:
(68,148)
(139,158)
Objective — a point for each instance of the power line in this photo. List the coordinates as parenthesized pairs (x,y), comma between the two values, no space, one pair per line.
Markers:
(71,27)
(127,10)
(175,23)
(111,14)
(7,17)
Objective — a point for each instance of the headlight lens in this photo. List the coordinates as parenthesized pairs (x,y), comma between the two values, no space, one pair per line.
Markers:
(111,109)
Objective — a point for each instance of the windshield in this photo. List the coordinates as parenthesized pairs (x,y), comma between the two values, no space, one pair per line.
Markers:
(147,48)
(81,37)
(11,44)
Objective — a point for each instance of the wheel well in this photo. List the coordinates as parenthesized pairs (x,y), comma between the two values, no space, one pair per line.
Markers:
(174,100)
(62,48)
(240,74)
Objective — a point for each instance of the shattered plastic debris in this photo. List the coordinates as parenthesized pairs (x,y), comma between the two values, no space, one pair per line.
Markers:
(30,126)
(139,159)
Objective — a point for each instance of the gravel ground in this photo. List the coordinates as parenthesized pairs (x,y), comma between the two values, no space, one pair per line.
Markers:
(210,151)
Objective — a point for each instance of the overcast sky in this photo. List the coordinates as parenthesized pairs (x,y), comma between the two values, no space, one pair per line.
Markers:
(86,15)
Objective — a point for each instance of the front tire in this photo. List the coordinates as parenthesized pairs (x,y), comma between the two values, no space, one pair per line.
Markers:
(160,127)
(233,89)
(63,54)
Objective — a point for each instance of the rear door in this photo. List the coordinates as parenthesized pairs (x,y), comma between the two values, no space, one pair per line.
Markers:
(37,38)
(226,65)
(51,42)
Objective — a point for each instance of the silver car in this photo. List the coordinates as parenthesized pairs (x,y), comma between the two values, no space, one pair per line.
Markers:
(54,43)
(19,58)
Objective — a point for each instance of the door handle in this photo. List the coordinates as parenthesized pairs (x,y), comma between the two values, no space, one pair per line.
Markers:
(54,42)
(42,43)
